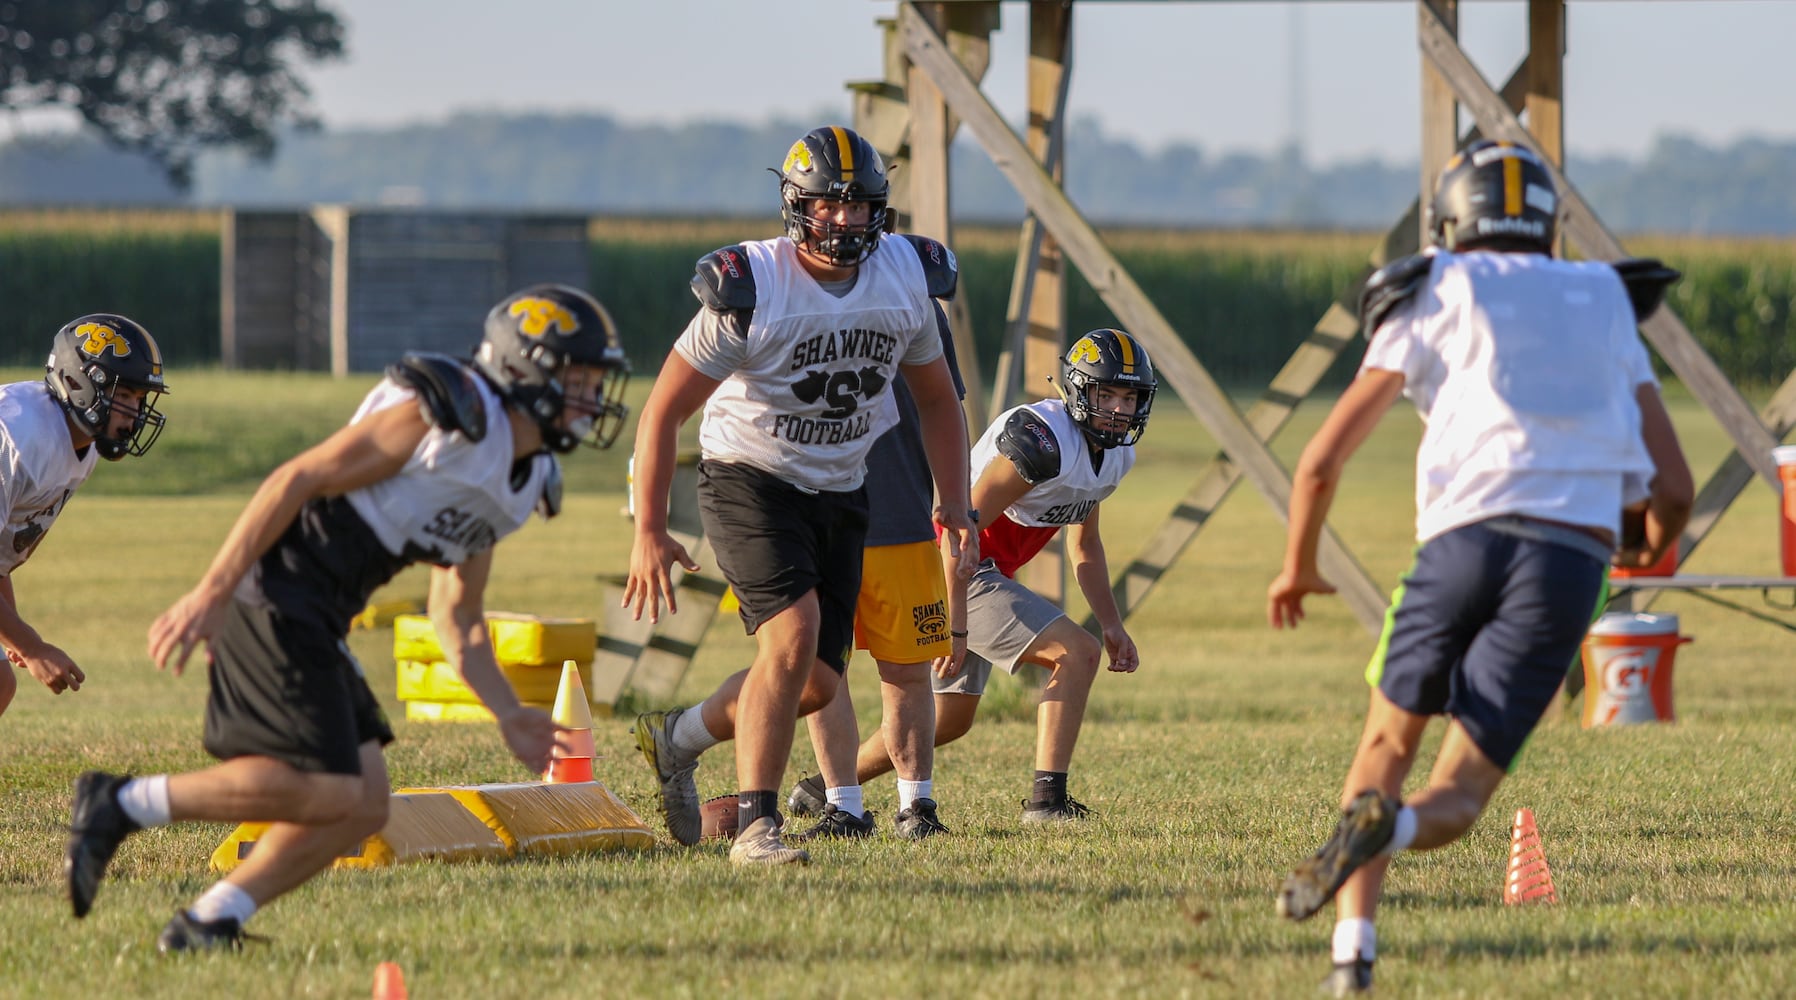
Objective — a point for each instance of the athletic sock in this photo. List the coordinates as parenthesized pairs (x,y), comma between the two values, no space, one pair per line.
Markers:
(145,800)
(221,901)
(1355,939)
(690,734)
(847,799)
(1403,833)
(751,806)
(1049,789)
(911,791)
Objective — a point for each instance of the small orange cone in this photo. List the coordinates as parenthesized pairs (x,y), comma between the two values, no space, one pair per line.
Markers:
(572,711)
(389,982)
(1529,881)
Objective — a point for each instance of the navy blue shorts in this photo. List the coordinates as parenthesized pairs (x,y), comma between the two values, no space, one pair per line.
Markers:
(1485,624)
(776,543)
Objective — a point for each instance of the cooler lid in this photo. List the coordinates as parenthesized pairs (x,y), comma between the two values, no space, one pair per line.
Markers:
(1784,454)
(1635,623)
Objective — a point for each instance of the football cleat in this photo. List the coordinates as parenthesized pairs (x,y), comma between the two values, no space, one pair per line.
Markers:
(1364,829)
(674,768)
(808,797)
(1044,813)
(97,825)
(839,824)
(186,933)
(760,844)
(918,822)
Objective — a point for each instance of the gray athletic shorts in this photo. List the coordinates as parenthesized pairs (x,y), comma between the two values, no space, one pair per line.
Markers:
(1003,618)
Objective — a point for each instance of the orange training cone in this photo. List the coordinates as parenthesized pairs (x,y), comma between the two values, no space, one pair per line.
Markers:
(571,711)
(1529,881)
(389,982)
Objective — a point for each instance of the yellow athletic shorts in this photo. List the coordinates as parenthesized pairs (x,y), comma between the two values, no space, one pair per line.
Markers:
(902,614)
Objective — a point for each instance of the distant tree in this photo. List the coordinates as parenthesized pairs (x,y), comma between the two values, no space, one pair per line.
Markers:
(167,78)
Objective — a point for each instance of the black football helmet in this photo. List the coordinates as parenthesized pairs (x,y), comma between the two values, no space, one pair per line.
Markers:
(1495,196)
(833,163)
(90,360)
(532,337)
(1112,358)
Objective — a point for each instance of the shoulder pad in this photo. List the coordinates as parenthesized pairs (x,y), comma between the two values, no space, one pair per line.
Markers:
(549,504)
(1647,280)
(724,281)
(1029,443)
(940,270)
(446,391)
(1389,287)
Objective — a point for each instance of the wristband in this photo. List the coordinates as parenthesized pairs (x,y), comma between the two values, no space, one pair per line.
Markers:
(957,635)
(973,515)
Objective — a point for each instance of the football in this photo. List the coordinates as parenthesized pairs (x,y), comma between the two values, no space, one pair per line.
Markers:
(718,818)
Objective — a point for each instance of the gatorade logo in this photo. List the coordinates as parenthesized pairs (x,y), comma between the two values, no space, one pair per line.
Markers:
(537,315)
(100,339)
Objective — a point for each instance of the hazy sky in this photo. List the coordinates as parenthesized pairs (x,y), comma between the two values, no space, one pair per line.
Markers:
(1220,74)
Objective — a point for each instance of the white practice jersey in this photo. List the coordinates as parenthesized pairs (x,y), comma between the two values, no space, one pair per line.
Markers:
(1066,498)
(454,498)
(39,469)
(1524,369)
(807,390)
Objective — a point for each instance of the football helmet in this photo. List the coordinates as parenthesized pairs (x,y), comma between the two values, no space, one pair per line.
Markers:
(1494,196)
(532,337)
(91,359)
(836,164)
(1107,358)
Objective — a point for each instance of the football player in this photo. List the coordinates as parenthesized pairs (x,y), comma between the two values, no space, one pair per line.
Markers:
(97,400)
(1042,467)
(1543,423)
(443,459)
(791,355)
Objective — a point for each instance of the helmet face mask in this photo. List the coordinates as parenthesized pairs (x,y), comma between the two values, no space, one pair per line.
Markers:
(833,164)
(536,344)
(1495,196)
(92,360)
(1107,359)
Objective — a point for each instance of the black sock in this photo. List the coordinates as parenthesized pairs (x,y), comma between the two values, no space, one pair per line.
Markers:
(751,806)
(1049,789)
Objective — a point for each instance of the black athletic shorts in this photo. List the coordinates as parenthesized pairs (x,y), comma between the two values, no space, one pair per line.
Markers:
(288,689)
(776,543)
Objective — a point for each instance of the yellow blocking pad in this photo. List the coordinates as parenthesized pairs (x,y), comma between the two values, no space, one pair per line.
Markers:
(518,639)
(420,827)
(434,680)
(535,818)
(380,614)
(452,711)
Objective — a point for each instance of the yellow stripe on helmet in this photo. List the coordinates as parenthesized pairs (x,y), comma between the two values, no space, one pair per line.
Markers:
(846,151)
(1512,185)
(1127,347)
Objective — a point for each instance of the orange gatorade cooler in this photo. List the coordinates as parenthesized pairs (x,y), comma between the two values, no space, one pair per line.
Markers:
(1627,669)
(1786,476)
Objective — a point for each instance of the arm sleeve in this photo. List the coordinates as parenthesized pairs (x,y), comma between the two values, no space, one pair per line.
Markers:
(711,347)
(947,337)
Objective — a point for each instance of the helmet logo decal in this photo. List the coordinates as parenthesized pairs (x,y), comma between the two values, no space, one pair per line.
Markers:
(100,339)
(539,314)
(1086,351)
(798,158)
(846,150)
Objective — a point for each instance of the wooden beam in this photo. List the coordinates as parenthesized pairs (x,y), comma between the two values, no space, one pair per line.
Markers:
(1546,84)
(1440,117)
(1663,330)
(1178,366)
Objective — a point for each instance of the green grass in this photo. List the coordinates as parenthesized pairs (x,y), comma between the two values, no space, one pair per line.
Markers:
(1213,769)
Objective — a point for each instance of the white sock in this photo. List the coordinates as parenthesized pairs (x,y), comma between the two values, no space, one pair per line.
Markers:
(847,799)
(145,800)
(223,900)
(1355,938)
(1405,832)
(690,734)
(911,791)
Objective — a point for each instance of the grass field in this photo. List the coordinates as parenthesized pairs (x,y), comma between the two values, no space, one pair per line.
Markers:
(1213,770)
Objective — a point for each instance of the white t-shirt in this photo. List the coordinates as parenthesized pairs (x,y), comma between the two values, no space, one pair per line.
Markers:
(1524,369)
(808,388)
(454,497)
(1067,498)
(39,469)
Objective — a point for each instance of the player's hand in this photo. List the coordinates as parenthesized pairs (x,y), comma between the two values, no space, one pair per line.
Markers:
(1123,656)
(951,664)
(531,735)
(962,539)
(177,632)
(1284,599)
(650,582)
(51,666)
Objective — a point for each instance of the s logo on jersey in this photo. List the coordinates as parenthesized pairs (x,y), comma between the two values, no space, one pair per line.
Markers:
(798,158)
(100,339)
(539,314)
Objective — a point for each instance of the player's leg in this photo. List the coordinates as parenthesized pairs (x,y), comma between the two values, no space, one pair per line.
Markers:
(1073,655)
(835,738)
